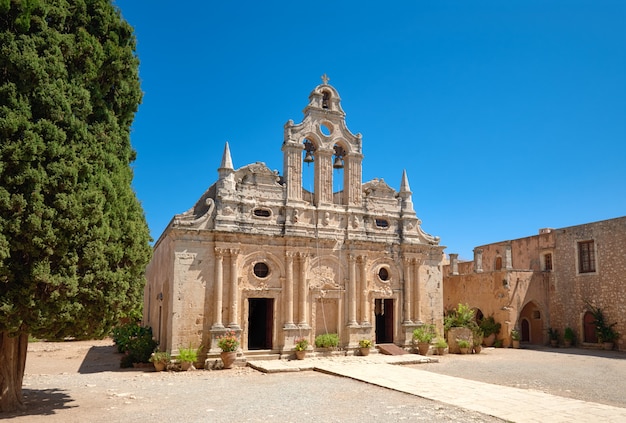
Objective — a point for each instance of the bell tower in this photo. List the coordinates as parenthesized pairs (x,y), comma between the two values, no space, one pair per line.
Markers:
(323,140)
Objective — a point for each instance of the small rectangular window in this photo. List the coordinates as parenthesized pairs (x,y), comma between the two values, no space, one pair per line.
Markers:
(547,262)
(586,257)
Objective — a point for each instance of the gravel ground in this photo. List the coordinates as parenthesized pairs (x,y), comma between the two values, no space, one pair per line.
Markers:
(81,381)
(587,375)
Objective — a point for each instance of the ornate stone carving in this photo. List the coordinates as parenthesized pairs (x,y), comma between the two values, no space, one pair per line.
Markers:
(323,277)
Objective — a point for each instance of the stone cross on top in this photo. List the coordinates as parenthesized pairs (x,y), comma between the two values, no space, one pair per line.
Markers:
(325,79)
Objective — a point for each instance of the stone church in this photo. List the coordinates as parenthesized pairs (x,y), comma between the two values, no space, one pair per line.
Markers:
(261,255)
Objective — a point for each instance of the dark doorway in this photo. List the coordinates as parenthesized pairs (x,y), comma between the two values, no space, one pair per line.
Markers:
(590,328)
(260,322)
(383,309)
(525,331)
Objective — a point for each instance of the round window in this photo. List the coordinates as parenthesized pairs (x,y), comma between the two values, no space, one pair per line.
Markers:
(261,270)
(383,274)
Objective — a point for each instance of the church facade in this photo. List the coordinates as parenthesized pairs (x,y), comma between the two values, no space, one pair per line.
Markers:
(262,256)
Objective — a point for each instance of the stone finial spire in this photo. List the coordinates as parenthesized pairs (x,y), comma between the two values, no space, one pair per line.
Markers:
(226,172)
(405,195)
(404,185)
(227,162)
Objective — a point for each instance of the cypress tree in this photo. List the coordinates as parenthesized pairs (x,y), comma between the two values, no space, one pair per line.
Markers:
(74,242)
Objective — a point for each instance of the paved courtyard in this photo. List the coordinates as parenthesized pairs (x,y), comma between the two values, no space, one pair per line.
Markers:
(76,382)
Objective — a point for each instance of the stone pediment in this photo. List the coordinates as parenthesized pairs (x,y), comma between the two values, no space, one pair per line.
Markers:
(201,214)
(378,188)
(257,174)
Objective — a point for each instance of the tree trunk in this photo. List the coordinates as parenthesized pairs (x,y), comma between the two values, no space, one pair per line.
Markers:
(13,358)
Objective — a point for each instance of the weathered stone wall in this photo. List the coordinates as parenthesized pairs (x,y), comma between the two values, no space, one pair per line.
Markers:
(529,290)
(604,288)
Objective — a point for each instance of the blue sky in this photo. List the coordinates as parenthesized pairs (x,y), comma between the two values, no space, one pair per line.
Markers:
(508,116)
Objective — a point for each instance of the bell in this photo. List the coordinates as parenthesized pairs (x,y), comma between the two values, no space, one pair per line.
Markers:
(308,157)
(338,163)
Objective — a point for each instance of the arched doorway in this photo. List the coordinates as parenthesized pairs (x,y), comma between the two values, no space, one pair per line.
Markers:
(531,322)
(590,328)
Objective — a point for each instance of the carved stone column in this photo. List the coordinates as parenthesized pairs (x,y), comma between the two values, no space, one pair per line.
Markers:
(454,264)
(415,267)
(508,261)
(324,177)
(302,291)
(365,306)
(289,291)
(234,289)
(478,260)
(406,262)
(219,288)
(352,292)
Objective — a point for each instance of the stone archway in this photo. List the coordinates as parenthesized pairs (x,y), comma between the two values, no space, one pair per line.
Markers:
(531,322)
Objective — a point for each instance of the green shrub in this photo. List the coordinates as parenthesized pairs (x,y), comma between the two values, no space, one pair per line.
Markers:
(328,340)
(187,355)
(463,343)
(123,334)
(461,317)
(424,333)
(135,342)
(489,326)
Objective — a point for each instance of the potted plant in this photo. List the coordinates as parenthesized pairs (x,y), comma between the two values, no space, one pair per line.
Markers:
(441,345)
(553,334)
(422,337)
(160,359)
(364,346)
(229,344)
(515,338)
(187,356)
(604,331)
(568,337)
(490,329)
(300,347)
(464,345)
(459,323)
(327,340)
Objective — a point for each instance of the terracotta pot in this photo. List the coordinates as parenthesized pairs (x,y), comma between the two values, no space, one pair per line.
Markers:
(463,350)
(554,343)
(515,343)
(365,351)
(441,350)
(186,365)
(477,349)
(300,354)
(423,347)
(228,358)
(567,342)
(159,366)
(489,340)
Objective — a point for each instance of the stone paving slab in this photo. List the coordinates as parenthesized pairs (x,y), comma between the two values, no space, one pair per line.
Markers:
(507,403)
(317,363)
(511,404)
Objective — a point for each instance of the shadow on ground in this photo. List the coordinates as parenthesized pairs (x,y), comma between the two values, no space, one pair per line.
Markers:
(42,402)
(100,359)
